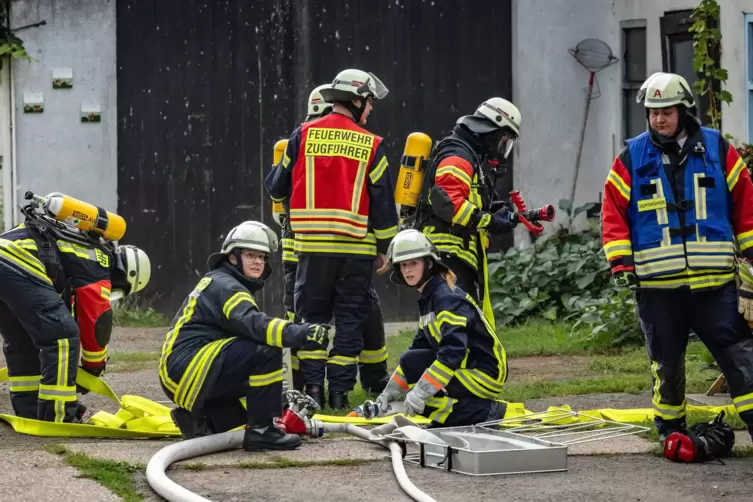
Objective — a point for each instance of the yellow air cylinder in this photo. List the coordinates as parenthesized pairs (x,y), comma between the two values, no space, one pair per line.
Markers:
(280,147)
(85,216)
(411,175)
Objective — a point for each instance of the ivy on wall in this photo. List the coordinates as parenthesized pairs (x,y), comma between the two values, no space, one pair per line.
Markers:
(10,44)
(707,39)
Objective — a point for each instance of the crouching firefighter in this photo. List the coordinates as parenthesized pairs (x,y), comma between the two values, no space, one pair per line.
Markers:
(342,210)
(457,196)
(56,284)
(677,199)
(221,348)
(372,361)
(455,368)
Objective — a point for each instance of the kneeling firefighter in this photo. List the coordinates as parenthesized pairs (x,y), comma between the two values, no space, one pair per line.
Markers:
(676,202)
(455,368)
(220,347)
(56,284)
(457,195)
(372,361)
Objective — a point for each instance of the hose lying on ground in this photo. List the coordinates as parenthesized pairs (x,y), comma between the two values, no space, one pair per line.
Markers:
(198,447)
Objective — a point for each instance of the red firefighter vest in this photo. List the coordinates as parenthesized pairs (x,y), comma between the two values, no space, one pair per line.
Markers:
(329,178)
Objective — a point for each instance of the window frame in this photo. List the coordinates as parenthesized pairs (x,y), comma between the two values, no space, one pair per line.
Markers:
(630,85)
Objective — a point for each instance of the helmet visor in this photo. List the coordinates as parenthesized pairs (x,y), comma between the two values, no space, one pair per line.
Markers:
(505,145)
(374,86)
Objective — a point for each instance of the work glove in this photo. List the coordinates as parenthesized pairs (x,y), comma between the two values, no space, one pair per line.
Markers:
(383,401)
(502,221)
(415,400)
(625,279)
(318,333)
(745,292)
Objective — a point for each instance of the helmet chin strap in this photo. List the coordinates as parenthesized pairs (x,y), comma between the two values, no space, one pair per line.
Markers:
(356,112)
(239,265)
(428,272)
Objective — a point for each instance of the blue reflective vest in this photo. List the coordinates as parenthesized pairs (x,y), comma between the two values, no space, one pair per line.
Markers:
(662,247)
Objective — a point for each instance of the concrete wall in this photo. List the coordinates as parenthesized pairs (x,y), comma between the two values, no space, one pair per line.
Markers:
(55,151)
(549,86)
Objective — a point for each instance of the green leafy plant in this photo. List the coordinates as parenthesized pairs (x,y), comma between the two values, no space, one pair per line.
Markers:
(707,39)
(10,44)
(611,319)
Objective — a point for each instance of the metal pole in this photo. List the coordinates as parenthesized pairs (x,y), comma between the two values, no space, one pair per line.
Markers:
(580,148)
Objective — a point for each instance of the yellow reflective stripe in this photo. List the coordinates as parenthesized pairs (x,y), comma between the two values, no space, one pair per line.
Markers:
(443,407)
(620,247)
(332,243)
(672,251)
(340,360)
(454,245)
(447,317)
(22,256)
(665,411)
(172,335)
(193,378)
(373,356)
(31,269)
(710,247)
(288,250)
(662,218)
(369,239)
(703,279)
(76,249)
(341,214)
(27,244)
(309,182)
(484,380)
(378,171)
(358,185)
(235,300)
(387,233)
(324,226)
(463,214)
(464,378)
(312,354)
(619,184)
(658,267)
(745,240)
(734,174)
(434,331)
(274,332)
(104,292)
(295,363)
(744,272)
(24,383)
(455,172)
(743,403)
(285,161)
(700,198)
(440,372)
(94,356)
(265,379)
(276,200)
(484,221)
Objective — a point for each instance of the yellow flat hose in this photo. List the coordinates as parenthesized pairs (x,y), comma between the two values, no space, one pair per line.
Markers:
(138,417)
(487,302)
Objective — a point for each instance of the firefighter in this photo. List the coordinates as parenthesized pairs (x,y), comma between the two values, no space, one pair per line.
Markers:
(372,361)
(677,199)
(335,175)
(455,367)
(458,191)
(221,347)
(56,287)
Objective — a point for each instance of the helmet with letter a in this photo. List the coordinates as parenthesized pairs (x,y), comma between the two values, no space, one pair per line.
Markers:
(662,90)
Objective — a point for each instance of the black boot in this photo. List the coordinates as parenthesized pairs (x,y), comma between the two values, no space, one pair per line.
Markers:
(315,391)
(338,400)
(269,437)
(298,382)
(189,427)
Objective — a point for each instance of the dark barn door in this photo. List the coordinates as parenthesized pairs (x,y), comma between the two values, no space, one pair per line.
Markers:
(205,89)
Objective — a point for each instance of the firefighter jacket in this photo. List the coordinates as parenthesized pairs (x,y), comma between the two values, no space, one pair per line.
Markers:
(673,215)
(466,345)
(459,196)
(82,278)
(288,245)
(340,191)
(220,309)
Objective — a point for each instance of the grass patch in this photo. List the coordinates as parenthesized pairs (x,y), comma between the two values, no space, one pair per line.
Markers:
(280,462)
(115,476)
(194,466)
(632,384)
(123,362)
(134,312)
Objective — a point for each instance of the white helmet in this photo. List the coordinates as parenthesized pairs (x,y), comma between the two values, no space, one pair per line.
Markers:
(317,105)
(353,84)
(492,114)
(131,271)
(247,235)
(407,245)
(662,90)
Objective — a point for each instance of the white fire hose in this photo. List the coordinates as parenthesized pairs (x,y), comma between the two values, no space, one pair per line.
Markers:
(215,443)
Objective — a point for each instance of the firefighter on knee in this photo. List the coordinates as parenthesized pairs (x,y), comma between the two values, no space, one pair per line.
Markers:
(678,200)
(457,196)
(456,367)
(335,176)
(221,347)
(56,287)
(372,361)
